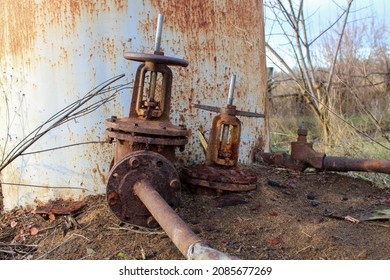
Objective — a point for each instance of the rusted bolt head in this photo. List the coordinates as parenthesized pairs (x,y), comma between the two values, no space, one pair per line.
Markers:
(175,184)
(113,198)
(134,162)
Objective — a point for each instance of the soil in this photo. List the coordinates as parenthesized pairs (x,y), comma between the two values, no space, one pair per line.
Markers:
(291,215)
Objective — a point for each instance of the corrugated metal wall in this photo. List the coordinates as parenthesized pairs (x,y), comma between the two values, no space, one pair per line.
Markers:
(58,50)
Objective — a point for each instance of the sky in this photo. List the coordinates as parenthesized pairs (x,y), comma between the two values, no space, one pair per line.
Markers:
(321,13)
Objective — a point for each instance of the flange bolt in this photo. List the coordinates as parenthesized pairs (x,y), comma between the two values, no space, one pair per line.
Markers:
(175,184)
(134,162)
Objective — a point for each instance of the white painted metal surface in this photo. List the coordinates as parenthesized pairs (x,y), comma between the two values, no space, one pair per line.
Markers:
(59,50)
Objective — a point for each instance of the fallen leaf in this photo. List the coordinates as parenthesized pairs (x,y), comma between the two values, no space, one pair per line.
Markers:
(274,241)
(51,216)
(13,224)
(34,231)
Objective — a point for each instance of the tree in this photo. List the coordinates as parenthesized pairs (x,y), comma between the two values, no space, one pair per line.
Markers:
(292,24)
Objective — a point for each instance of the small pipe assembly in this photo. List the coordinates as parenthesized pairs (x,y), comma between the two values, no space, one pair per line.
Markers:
(143,185)
(303,156)
(220,172)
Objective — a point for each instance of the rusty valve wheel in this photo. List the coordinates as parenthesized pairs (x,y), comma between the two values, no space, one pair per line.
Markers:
(136,167)
(230,110)
(157,58)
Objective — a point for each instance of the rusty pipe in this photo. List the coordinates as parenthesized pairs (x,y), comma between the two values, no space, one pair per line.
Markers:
(302,151)
(352,164)
(189,244)
(303,156)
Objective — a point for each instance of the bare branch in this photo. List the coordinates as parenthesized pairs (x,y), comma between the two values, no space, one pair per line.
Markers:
(327,29)
(333,65)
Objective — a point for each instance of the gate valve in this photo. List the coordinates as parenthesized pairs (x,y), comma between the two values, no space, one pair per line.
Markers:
(225,133)
(220,172)
(144,103)
(148,125)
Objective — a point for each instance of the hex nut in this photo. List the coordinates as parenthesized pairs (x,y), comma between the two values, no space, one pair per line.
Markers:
(134,162)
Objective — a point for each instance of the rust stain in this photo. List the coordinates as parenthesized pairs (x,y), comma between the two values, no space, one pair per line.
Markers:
(18,30)
(102,174)
(23,20)
(219,38)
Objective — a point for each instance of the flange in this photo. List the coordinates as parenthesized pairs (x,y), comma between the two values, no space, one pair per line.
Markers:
(214,179)
(137,166)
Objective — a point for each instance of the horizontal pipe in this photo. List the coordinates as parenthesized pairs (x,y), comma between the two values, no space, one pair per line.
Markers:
(351,164)
(189,244)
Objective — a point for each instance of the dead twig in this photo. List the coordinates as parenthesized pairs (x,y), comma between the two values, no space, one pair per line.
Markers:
(308,235)
(8,252)
(61,244)
(21,245)
(346,218)
(304,249)
(138,229)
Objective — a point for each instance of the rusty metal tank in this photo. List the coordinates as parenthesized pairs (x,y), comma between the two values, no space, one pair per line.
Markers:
(59,50)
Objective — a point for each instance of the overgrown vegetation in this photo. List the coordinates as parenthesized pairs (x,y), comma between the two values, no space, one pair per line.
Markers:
(339,83)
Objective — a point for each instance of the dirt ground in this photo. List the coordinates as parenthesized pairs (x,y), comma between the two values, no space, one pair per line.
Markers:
(291,215)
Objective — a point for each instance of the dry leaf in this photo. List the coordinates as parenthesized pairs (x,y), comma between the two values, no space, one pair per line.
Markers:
(274,241)
(51,216)
(13,224)
(34,231)
(272,213)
